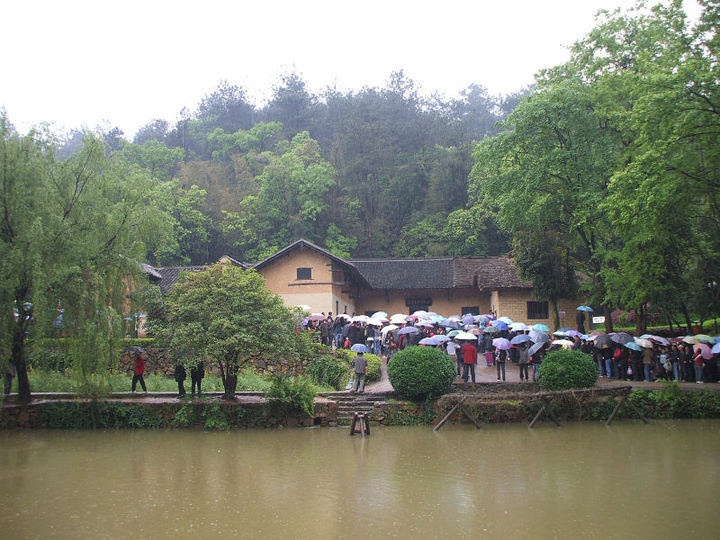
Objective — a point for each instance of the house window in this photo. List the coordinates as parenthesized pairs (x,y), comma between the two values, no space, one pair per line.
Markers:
(537,310)
(304,273)
(470,310)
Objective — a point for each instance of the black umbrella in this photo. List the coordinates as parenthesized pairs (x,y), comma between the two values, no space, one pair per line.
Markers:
(622,338)
(603,341)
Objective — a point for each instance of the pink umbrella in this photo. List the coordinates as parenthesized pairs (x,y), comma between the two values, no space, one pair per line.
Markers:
(706,352)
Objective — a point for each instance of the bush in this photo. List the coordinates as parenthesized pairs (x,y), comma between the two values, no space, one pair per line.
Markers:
(373,363)
(421,372)
(564,370)
(292,394)
(330,371)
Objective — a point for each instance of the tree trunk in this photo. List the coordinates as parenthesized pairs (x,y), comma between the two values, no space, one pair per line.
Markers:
(641,324)
(556,314)
(230,385)
(686,314)
(608,319)
(18,360)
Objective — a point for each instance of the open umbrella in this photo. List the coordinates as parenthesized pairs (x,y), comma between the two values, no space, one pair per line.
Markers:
(468,319)
(519,327)
(501,344)
(661,340)
(564,343)
(602,342)
(506,320)
(452,333)
(522,338)
(539,337)
(560,333)
(703,338)
(465,335)
(475,331)
(541,327)
(388,328)
(360,318)
(622,338)
(500,325)
(398,318)
(573,333)
(425,324)
(634,346)
(379,315)
(645,343)
(375,322)
(442,338)
(317,317)
(408,330)
(432,340)
(716,348)
(359,347)
(705,350)
(585,308)
(535,348)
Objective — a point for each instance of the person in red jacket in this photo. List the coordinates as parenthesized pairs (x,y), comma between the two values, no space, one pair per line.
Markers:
(140,358)
(469,355)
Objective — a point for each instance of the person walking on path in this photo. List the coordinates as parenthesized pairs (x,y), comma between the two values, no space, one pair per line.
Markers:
(197,372)
(451,348)
(180,376)
(139,371)
(500,358)
(523,362)
(359,365)
(469,355)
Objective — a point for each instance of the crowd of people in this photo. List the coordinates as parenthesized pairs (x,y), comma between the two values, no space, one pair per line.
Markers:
(473,339)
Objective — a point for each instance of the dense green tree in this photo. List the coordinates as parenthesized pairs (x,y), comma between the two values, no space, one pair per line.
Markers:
(225,316)
(71,232)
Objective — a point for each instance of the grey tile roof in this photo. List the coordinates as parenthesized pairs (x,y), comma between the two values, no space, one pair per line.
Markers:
(487,273)
(170,275)
(406,273)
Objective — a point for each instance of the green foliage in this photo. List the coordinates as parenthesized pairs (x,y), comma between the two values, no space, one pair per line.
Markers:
(330,371)
(565,370)
(99,415)
(373,367)
(226,315)
(292,395)
(421,372)
(185,416)
(215,417)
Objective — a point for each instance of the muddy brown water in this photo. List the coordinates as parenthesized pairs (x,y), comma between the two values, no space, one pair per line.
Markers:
(579,481)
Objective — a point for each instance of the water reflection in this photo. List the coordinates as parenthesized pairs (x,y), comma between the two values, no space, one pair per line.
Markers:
(583,480)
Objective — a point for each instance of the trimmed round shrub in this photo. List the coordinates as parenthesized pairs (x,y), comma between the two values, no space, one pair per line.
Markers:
(421,372)
(565,370)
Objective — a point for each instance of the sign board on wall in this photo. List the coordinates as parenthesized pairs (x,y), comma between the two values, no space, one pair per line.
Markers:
(599,320)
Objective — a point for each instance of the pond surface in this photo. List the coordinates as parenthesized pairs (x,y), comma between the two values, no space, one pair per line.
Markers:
(579,481)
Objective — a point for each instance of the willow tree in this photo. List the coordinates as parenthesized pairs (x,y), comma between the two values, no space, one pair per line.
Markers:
(70,237)
(226,316)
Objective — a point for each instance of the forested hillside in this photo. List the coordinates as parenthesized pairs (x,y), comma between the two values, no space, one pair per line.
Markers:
(370,173)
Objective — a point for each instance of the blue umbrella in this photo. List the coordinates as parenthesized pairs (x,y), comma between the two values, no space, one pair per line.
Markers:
(585,308)
(535,348)
(541,327)
(359,347)
(634,346)
(715,349)
(432,340)
(521,338)
(500,325)
(408,330)
(468,319)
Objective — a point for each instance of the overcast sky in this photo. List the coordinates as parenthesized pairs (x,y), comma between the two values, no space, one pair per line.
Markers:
(81,63)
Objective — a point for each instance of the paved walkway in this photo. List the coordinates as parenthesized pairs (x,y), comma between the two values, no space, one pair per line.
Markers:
(485,374)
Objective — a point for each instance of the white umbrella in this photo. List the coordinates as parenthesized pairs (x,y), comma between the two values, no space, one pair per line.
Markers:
(519,327)
(465,335)
(360,318)
(388,328)
(398,318)
(375,322)
(566,343)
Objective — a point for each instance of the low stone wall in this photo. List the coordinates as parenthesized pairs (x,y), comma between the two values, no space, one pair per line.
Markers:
(158,413)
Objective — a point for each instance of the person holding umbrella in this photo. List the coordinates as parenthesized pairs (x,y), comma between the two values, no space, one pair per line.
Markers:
(359,365)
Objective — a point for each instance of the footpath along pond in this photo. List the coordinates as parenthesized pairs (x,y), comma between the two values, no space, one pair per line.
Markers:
(579,481)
